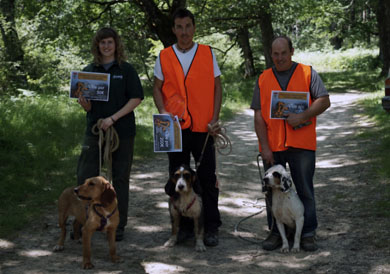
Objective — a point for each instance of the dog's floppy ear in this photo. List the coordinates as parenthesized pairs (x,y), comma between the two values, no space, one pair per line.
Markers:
(195,183)
(108,194)
(285,182)
(170,187)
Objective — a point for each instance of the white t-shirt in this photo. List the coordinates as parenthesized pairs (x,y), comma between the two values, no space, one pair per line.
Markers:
(185,61)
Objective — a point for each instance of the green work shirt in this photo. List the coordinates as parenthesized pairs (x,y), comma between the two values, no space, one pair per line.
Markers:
(124,85)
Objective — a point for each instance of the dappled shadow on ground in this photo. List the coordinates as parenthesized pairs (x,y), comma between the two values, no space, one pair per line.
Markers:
(341,176)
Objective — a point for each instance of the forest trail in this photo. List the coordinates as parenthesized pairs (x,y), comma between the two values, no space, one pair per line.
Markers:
(349,236)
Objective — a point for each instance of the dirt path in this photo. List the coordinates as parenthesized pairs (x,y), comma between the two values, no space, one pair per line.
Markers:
(348,235)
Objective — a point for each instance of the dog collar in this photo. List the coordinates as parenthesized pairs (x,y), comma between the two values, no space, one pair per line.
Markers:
(103,219)
(188,206)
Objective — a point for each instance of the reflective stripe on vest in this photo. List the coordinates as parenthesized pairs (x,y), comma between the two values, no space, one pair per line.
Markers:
(189,97)
(281,135)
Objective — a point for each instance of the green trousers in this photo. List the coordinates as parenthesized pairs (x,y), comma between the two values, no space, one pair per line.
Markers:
(122,158)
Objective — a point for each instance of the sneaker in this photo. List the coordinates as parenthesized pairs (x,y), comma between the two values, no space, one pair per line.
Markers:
(272,242)
(309,244)
(120,234)
(211,239)
(184,235)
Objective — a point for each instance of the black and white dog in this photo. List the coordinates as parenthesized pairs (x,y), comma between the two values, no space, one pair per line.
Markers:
(287,208)
(187,203)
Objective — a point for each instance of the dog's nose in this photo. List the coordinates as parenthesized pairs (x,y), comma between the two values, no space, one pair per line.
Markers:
(76,190)
(180,187)
(266,181)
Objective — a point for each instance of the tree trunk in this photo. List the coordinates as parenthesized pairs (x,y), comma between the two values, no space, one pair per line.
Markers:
(383,19)
(267,32)
(160,23)
(243,41)
(13,52)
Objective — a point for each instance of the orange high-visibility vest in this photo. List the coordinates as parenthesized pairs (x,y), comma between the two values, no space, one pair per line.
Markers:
(281,135)
(190,97)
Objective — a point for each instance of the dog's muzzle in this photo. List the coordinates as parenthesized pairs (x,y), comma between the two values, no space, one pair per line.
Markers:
(180,187)
(76,191)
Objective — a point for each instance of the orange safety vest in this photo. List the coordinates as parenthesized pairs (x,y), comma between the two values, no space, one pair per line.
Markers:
(281,135)
(190,97)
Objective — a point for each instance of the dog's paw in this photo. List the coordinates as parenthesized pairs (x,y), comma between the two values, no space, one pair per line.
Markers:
(285,249)
(58,248)
(295,249)
(200,247)
(171,242)
(88,265)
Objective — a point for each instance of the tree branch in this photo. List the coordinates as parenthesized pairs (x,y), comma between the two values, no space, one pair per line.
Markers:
(224,53)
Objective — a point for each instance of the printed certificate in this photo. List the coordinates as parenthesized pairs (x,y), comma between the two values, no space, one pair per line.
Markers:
(167,133)
(284,102)
(92,85)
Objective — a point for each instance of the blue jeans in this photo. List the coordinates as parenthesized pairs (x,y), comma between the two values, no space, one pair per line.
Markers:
(302,165)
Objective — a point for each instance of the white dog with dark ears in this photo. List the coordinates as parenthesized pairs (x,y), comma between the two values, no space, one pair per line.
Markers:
(287,208)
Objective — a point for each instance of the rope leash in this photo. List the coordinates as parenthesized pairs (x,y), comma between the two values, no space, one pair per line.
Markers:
(267,202)
(221,141)
(110,140)
(237,232)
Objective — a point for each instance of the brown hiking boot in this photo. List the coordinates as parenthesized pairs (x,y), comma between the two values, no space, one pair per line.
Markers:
(309,244)
(272,242)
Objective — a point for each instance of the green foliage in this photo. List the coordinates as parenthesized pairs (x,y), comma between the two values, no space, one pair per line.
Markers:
(381,131)
(144,120)
(353,69)
(56,35)
(39,137)
(380,151)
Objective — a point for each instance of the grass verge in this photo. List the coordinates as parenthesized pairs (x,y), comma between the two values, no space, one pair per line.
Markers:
(380,151)
(38,140)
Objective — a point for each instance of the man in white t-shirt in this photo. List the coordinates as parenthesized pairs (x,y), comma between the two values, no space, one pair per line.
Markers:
(187,84)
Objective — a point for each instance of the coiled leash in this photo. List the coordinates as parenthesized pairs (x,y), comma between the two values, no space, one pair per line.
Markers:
(110,140)
(221,141)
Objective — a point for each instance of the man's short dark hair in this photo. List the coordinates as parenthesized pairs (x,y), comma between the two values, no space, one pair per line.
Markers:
(290,46)
(182,13)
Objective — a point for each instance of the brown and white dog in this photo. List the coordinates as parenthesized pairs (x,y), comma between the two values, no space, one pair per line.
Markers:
(287,208)
(94,206)
(186,203)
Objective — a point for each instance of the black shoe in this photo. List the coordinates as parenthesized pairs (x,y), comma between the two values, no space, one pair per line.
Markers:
(120,234)
(272,242)
(184,235)
(309,244)
(211,239)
